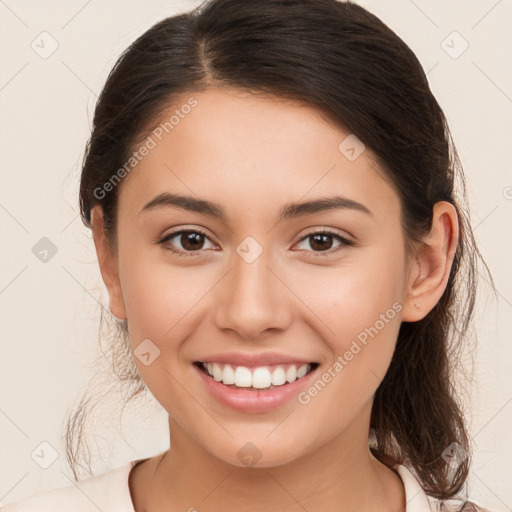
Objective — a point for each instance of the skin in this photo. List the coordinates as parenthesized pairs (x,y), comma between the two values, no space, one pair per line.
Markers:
(261,154)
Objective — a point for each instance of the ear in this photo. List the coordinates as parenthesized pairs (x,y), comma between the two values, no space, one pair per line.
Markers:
(108,264)
(429,273)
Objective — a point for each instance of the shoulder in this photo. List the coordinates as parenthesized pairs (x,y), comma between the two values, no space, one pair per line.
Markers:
(418,501)
(108,491)
(457,505)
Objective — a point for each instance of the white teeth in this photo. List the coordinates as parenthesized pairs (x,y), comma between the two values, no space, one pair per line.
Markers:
(228,375)
(278,376)
(243,377)
(260,378)
(302,371)
(291,374)
(217,372)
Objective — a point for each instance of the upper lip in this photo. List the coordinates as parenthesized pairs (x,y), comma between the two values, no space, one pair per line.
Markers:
(251,360)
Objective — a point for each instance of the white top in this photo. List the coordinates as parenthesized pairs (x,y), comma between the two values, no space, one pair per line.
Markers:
(110,492)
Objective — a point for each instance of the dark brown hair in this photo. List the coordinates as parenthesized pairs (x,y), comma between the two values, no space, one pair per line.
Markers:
(344,61)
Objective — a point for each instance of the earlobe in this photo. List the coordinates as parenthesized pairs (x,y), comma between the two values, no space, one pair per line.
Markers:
(430,271)
(108,264)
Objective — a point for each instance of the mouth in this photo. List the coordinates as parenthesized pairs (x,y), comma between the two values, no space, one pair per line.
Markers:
(261,378)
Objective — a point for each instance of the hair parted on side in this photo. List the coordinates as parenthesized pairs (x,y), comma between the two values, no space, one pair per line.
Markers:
(341,59)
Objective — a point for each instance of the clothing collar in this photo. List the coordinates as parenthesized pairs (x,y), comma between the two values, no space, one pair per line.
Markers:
(415,498)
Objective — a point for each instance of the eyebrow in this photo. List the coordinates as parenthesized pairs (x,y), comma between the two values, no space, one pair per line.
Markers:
(288,211)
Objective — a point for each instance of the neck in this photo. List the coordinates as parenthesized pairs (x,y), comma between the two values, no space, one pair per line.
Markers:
(339,475)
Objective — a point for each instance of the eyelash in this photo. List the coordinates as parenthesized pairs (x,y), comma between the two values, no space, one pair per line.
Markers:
(344,242)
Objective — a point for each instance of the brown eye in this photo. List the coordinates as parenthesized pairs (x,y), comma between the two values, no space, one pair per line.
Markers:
(322,241)
(191,240)
(185,241)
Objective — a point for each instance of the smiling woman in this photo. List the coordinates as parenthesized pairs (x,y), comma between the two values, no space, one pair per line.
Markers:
(283,263)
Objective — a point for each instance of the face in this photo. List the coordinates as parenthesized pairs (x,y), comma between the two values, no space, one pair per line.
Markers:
(253,282)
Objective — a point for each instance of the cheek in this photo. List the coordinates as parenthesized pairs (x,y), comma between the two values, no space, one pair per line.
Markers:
(352,296)
(161,298)
(362,322)
(357,308)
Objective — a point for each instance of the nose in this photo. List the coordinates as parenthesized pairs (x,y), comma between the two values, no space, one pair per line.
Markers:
(253,298)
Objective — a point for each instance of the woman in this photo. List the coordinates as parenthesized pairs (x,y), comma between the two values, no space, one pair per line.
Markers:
(271,192)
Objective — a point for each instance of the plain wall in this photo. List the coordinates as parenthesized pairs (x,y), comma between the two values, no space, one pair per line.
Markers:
(49,311)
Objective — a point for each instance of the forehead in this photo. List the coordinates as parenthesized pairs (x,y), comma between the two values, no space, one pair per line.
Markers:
(250,150)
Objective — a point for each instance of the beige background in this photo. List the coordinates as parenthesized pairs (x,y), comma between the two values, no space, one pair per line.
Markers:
(49,311)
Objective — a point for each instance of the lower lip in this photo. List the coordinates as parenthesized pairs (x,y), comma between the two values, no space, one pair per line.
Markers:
(254,401)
